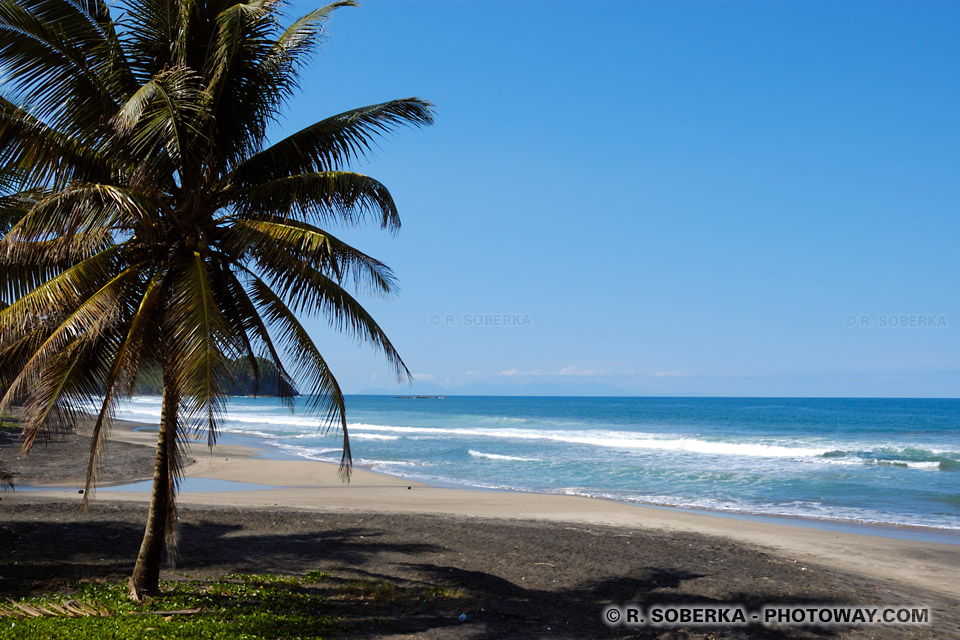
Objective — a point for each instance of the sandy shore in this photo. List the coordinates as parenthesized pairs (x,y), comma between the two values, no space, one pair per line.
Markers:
(310,485)
(761,559)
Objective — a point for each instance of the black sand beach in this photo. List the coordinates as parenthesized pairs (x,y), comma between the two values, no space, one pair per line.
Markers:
(523,578)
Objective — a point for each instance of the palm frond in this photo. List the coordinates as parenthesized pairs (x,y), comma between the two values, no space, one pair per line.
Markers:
(46,394)
(49,302)
(61,73)
(263,74)
(306,290)
(6,476)
(258,334)
(83,326)
(76,221)
(331,144)
(295,44)
(90,25)
(126,361)
(325,394)
(324,197)
(199,336)
(43,155)
(163,122)
(231,24)
(286,244)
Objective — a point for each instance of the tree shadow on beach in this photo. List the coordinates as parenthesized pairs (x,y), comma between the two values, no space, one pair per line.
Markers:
(37,554)
(515,611)
(516,593)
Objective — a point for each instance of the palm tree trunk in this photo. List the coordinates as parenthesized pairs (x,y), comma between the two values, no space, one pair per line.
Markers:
(145,580)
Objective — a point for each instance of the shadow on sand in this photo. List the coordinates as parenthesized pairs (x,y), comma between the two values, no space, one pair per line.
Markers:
(46,553)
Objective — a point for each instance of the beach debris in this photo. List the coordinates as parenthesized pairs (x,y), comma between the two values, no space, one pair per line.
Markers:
(76,609)
(462,617)
(168,614)
(68,609)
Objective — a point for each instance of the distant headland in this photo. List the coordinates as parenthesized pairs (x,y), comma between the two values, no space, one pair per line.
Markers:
(240,379)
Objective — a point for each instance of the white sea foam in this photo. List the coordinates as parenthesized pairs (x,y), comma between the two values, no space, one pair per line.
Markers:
(332,454)
(641,463)
(311,453)
(250,432)
(255,421)
(795,508)
(929,465)
(244,423)
(846,462)
(377,464)
(865,459)
(497,456)
(614,439)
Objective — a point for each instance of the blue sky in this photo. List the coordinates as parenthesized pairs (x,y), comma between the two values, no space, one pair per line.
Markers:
(660,198)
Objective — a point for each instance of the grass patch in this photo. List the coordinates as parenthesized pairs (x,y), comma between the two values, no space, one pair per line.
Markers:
(241,606)
(234,607)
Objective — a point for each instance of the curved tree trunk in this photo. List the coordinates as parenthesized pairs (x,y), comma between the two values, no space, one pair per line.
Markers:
(145,580)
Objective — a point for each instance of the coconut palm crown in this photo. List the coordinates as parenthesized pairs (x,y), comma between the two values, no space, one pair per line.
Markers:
(153,227)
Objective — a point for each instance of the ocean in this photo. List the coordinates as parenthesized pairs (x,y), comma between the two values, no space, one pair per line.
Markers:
(883,461)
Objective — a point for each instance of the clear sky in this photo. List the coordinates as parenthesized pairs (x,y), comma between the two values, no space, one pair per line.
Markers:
(660,198)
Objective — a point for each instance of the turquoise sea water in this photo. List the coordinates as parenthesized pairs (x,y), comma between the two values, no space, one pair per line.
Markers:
(866,460)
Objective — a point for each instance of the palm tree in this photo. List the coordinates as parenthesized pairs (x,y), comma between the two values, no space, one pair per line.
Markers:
(158,231)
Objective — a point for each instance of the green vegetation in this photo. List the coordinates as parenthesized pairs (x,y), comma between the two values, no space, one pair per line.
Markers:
(240,379)
(236,606)
(9,424)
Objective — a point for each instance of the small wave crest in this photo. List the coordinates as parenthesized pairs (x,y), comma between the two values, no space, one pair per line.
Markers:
(497,456)
(372,436)
(614,439)
(897,457)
